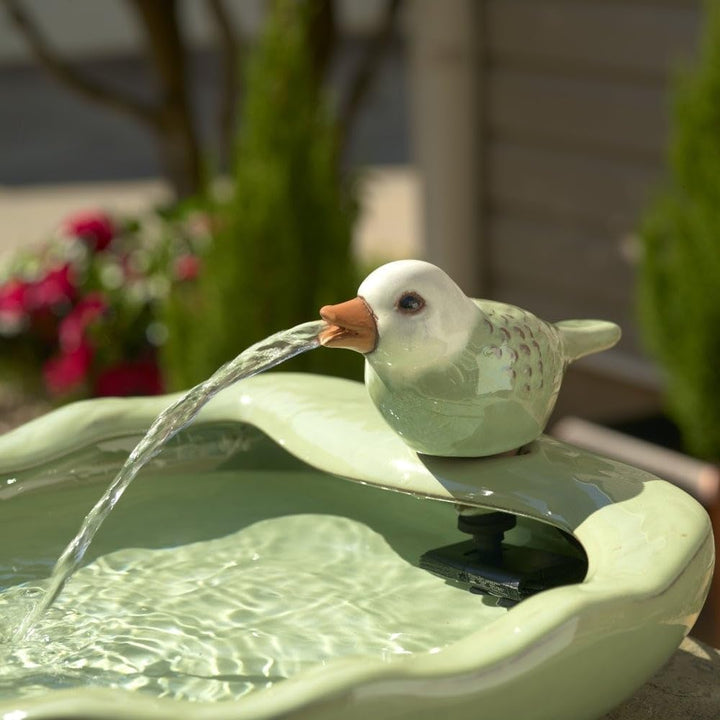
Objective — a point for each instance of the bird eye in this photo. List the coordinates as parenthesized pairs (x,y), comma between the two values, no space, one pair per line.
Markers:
(410,302)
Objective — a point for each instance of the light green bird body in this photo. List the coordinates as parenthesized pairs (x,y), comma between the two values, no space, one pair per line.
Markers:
(472,377)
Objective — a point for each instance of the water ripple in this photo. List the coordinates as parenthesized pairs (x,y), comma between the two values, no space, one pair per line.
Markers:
(215,620)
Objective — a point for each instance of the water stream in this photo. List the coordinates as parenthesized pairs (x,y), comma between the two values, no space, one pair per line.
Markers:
(262,356)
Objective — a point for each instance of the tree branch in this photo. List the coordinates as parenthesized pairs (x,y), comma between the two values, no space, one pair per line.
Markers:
(70,76)
(167,54)
(231,52)
(365,74)
(322,37)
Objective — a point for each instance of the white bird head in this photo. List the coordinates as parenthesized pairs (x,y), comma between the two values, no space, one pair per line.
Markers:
(408,313)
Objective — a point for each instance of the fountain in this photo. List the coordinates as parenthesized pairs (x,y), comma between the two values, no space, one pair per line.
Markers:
(288,555)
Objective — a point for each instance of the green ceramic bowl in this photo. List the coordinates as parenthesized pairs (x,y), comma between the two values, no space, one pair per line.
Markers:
(570,652)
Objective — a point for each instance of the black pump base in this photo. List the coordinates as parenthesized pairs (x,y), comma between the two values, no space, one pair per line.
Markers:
(489,566)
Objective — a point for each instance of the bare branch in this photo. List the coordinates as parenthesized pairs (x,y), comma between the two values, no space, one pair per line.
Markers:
(322,37)
(70,76)
(231,52)
(366,72)
(167,54)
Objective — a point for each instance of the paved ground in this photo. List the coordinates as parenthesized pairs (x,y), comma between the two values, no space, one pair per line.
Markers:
(389,226)
(687,688)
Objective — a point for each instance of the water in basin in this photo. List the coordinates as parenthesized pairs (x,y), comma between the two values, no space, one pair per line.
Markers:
(228,567)
(261,356)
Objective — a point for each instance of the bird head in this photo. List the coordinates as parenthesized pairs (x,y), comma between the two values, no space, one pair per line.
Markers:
(408,315)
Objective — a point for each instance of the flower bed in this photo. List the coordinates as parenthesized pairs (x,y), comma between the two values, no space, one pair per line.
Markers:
(82,316)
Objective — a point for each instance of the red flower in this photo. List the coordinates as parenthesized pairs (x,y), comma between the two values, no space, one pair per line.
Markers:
(13,300)
(139,377)
(66,372)
(72,327)
(95,228)
(187,267)
(55,288)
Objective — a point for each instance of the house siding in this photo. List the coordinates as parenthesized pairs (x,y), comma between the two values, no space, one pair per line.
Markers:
(575,119)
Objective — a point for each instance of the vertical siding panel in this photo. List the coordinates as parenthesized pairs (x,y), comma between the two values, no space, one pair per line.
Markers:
(577,123)
(623,37)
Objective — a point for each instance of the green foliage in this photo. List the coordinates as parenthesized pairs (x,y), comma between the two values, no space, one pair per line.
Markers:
(281,241)
(680,274)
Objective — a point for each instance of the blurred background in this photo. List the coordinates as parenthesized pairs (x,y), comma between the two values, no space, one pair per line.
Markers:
(179,179)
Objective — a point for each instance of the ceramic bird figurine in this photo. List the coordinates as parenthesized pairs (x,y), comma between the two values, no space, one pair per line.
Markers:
(455,376)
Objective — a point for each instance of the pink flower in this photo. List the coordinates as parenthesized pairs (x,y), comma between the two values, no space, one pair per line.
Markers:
(95,228)
(72,327)
(13,300)
(67,371)
(139,377)
(55,288)
(187,267)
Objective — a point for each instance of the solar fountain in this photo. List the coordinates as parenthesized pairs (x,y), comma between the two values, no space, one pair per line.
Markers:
(313,548)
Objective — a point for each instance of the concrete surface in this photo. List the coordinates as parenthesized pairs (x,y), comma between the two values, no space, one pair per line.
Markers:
(687,688)
(389,227)
(29,215)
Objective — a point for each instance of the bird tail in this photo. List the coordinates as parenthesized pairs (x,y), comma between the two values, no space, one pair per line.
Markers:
(584,337)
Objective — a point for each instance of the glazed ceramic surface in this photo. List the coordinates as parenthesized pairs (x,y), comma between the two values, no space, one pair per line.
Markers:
(571,652)
(454,376)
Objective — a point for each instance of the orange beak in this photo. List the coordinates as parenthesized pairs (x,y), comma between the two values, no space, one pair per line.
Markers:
(350,325)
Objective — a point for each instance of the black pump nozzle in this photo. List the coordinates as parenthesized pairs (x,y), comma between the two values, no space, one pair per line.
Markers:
(510,572)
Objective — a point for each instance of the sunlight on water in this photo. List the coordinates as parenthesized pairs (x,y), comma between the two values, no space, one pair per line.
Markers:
(260,357)
(214,620)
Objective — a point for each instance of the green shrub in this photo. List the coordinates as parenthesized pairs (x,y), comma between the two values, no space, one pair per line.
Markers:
(680,275)
(282,239)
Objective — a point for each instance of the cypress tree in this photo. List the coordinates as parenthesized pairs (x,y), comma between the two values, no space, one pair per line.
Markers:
(679,288)
(282,244)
